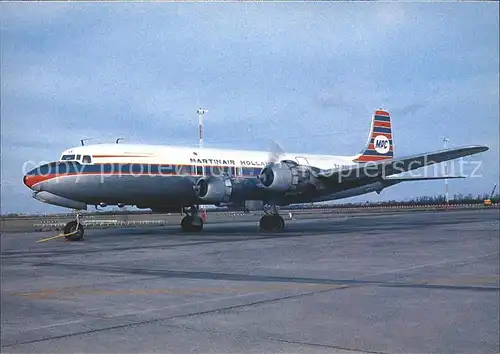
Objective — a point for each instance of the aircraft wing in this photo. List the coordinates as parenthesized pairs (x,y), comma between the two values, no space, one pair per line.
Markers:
(391,180)
(394,166)
(409,179)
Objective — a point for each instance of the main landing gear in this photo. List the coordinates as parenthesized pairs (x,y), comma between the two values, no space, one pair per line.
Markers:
(73,231)
(192,222)
(272,221)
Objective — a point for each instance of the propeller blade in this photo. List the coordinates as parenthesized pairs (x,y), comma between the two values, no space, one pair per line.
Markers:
(266,176)
(275,152)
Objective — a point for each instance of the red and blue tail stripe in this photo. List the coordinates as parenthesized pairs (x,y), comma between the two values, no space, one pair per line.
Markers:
(380,145)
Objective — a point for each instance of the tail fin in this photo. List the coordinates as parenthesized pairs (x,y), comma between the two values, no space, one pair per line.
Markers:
(380,145)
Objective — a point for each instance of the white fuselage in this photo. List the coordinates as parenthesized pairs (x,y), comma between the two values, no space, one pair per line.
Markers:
(176,155)
(154,175)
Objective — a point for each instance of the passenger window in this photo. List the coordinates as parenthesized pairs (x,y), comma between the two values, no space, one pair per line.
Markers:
(78,157)
(86,159)
(215,171)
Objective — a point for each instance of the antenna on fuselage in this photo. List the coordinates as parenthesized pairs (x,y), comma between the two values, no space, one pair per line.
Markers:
(84,140)
(117,140)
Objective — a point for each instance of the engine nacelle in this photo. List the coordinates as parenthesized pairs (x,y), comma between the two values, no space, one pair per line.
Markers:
(285,176)
(214,190)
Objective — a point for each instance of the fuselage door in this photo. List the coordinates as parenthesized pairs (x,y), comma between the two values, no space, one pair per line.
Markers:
(302,160)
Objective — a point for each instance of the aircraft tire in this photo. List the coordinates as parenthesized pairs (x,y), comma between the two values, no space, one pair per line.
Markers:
(280,222)
(186,223)
(270,222)
(71,227)
(264,223)
(192,223)
(196,223)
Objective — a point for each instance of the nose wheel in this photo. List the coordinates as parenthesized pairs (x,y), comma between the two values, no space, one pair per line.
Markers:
(192,222)
(272,222)
(74,231)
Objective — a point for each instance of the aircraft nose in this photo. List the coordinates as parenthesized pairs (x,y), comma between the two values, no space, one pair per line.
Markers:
(34,178)
(30,180)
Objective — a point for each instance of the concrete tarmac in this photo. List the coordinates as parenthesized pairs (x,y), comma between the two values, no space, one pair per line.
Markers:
(387,283)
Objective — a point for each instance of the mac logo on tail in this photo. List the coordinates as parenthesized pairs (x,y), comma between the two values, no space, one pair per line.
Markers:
(381,144)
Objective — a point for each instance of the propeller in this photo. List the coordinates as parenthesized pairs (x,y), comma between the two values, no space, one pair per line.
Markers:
(266,176)
(275,152)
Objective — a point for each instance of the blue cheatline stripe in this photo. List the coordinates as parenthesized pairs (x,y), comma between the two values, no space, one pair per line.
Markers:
(381,130)
(251,171)
(375,153)
(372,140)
(383,118)
(106,168)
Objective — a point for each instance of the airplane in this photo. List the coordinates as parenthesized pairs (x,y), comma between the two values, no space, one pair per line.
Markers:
(174,178)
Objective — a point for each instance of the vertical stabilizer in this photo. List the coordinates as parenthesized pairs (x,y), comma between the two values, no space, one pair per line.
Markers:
(380,145)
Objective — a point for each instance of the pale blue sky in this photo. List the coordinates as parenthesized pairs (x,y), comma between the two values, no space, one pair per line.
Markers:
(307,75)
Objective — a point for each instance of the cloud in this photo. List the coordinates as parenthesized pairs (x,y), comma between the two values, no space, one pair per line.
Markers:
(410,109)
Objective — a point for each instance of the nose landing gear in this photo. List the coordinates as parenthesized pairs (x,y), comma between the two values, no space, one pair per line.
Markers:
(73,230)
(192,222)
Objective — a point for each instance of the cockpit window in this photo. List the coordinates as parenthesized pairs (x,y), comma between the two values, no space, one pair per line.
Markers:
(86,159)
(67,157)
